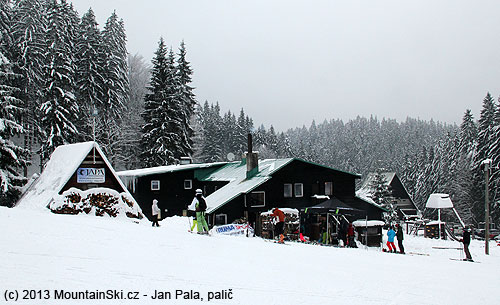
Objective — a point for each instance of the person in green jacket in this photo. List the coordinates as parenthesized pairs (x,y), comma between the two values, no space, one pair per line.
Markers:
(201,207)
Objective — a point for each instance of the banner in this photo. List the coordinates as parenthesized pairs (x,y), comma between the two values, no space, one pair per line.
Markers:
(233,229)
(90,175)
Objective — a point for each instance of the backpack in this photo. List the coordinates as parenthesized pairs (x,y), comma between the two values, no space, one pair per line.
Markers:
(202,204)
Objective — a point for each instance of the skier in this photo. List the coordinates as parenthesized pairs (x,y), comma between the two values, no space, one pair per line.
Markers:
(279,227)
(466,241)
(343,232)
(201,206)
(390,240)
(155,212)
(351,243)
(399,236)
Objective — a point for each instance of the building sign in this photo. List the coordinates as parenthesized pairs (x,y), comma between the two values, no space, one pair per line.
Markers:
(90,175)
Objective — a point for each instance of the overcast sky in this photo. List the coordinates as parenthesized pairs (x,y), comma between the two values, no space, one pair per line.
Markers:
(287,62)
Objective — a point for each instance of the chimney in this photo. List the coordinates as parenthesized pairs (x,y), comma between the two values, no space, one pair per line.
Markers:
(252,159)
(186,160)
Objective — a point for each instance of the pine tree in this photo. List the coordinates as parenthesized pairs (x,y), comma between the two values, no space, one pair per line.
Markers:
(212,150)
(59,110)
(188,100)
(116,87)
(28,33)
(178,120)
(12,157)
(485,127)
(163,140)
(90,73)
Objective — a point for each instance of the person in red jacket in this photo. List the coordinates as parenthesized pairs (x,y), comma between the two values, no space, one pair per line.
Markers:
(279,227)
(351,243)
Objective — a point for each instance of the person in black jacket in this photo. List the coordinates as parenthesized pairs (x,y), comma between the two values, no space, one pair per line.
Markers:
(399,236)
(466,241)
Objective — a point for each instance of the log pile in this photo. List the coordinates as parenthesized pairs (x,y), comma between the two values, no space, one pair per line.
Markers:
(98,202)
(292,223)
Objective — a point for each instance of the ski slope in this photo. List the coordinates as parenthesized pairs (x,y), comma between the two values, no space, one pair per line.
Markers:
(43,254)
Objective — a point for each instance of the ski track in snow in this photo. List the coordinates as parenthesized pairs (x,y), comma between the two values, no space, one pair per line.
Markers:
(41,250)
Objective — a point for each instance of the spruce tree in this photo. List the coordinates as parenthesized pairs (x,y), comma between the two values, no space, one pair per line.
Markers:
(59,109)
(28,33)
(213,148)
(12,157)
(159,138)
(90,73)
(116,87)
(188,100)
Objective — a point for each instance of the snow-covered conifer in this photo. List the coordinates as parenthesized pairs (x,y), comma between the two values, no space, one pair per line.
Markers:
(116,87)
(90,73)
(163,139)
(12,157)
(188,100)
(59,109)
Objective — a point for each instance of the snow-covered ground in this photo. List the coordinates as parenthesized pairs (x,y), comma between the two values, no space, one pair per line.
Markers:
(48,254)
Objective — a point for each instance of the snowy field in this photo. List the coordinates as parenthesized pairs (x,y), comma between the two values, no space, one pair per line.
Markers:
(44,256)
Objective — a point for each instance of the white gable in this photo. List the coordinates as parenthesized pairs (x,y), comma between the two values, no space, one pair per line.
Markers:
(63,163)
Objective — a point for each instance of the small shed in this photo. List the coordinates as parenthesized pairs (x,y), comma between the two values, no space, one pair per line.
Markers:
(432,229)
(369,232)
(79,178)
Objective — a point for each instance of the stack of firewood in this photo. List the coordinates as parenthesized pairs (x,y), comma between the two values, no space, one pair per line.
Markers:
(101,202)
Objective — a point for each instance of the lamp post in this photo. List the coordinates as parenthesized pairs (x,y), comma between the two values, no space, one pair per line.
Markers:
(486,165)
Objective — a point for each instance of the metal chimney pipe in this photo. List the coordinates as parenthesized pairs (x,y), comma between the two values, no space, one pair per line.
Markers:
(250,144)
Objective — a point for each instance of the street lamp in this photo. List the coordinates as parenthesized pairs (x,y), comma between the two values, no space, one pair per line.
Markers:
(486,165)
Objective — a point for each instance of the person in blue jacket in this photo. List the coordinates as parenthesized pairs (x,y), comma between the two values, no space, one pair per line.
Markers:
(390,240)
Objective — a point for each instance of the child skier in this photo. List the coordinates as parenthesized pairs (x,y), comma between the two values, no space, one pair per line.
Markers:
(390,240)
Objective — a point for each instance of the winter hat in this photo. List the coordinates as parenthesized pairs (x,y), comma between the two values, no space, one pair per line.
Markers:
(155,201)
(198,191)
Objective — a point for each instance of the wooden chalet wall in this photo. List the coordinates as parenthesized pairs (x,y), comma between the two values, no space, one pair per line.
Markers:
(313,178)
(110,180)
(172,195)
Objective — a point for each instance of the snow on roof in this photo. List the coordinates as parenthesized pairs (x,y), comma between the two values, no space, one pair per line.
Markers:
(166,169)
(367,190)
(366,196)
(435,222)
(369,223)
(367,184)
(63,163)
(235,173)
(439,201)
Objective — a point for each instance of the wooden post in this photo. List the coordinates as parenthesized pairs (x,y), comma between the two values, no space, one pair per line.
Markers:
(486,209)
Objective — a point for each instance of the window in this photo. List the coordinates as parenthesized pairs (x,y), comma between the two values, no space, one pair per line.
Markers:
(155,185)
(287,190)
(256,199)
(220,219)
(299,189)
(188,184)
(328,188)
